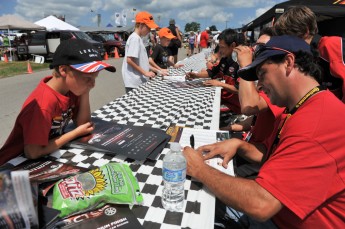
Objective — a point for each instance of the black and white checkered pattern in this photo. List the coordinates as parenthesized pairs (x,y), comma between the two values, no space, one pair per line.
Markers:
(158,105)
(149,175)
(193,63)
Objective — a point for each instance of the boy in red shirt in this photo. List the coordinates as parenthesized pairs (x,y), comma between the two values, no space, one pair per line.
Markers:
(64,96)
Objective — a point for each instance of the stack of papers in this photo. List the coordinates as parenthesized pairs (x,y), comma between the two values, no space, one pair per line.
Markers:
(134,142)
(175,78)
(202,137)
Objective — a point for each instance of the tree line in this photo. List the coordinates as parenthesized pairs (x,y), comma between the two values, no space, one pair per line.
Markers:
(195,26)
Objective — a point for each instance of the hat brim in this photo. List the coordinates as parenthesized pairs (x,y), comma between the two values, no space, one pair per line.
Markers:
(249,72)
(169,36)
(152,25)
(94,66)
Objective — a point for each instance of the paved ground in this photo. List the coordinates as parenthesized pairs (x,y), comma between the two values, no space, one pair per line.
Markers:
(14,91)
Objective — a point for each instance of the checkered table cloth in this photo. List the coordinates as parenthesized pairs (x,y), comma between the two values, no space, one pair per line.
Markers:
(198,210)
(193,63)
(158,105)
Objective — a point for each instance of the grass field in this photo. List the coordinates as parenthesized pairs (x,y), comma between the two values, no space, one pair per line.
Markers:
(13,68)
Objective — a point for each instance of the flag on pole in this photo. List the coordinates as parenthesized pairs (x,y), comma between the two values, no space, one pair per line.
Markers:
(124,17)
(117,19)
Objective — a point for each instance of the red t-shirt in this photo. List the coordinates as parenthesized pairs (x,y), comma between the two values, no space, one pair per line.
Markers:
(204,39)
(44,115)
(332,51)
(306,172)
(265,120)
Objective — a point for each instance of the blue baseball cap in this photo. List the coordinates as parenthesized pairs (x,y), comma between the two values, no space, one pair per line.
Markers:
(277,45)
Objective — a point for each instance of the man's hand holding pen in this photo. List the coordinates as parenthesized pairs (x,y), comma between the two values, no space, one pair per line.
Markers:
(224,149)
(191,75)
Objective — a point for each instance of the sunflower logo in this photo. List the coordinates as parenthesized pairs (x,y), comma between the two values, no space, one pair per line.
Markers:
(92,182)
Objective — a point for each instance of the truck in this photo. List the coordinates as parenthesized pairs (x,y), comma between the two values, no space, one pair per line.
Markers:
(109,42)
(44,43)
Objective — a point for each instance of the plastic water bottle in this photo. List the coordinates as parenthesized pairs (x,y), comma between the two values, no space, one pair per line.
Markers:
(174,176)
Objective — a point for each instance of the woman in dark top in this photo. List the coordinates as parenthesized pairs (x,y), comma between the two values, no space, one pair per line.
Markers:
(176,43)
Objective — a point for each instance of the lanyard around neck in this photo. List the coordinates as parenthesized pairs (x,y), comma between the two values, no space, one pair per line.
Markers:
(304,99)
(289,114)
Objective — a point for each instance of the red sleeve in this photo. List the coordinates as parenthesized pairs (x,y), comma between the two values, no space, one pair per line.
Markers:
(306,168)
(276,111)
(332,50)
(36,124)
(294,167)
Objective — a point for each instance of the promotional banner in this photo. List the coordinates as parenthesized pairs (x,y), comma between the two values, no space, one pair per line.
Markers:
(124,17)
(117,19)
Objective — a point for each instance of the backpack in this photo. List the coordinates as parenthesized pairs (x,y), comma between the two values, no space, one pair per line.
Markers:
(174,42)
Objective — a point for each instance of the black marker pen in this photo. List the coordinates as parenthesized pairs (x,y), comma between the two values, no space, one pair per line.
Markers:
(191,140)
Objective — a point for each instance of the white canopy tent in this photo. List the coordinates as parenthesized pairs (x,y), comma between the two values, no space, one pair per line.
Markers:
(14,22)
(8,22)
(53,23)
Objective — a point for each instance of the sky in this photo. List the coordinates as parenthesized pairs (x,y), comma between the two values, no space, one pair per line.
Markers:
(221,13)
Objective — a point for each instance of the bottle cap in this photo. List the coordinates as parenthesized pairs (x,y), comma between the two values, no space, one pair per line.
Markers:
(175,146)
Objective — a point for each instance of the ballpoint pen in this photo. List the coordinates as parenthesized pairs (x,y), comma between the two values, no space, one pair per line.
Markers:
(191,140)
(190,76)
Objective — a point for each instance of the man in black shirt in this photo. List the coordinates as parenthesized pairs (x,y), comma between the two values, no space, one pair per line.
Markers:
(225,71)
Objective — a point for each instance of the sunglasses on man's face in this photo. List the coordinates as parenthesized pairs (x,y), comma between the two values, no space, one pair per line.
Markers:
(253,46)
(259,48)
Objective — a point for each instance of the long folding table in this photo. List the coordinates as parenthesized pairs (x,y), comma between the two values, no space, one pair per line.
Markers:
(158,104)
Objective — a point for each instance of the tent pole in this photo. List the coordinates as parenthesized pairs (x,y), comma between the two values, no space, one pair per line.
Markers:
(9,41)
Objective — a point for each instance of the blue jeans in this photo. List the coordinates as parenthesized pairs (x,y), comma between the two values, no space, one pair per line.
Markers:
(229,218)
(248,222)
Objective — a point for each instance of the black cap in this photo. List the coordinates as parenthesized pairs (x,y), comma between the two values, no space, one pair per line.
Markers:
(277,45)
(80,55)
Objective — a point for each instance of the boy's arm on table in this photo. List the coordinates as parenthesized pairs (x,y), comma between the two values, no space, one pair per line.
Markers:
(131,62)
(84,126)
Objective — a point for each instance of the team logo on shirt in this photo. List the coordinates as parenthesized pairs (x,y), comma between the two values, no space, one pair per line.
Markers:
(222,67)
(231,69)
(60,122)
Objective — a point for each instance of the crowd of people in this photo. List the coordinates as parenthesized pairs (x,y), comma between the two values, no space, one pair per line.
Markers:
(291,80)
(291,83)
(288,83)
(4,40)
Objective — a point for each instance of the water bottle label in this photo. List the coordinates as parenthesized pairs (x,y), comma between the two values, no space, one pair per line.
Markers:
(174,175)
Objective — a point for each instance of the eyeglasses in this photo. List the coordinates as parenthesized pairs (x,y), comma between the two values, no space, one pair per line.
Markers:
(253,46)
(262,47)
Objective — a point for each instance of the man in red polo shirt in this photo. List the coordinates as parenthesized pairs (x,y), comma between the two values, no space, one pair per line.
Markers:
(302,181)
(204,38)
